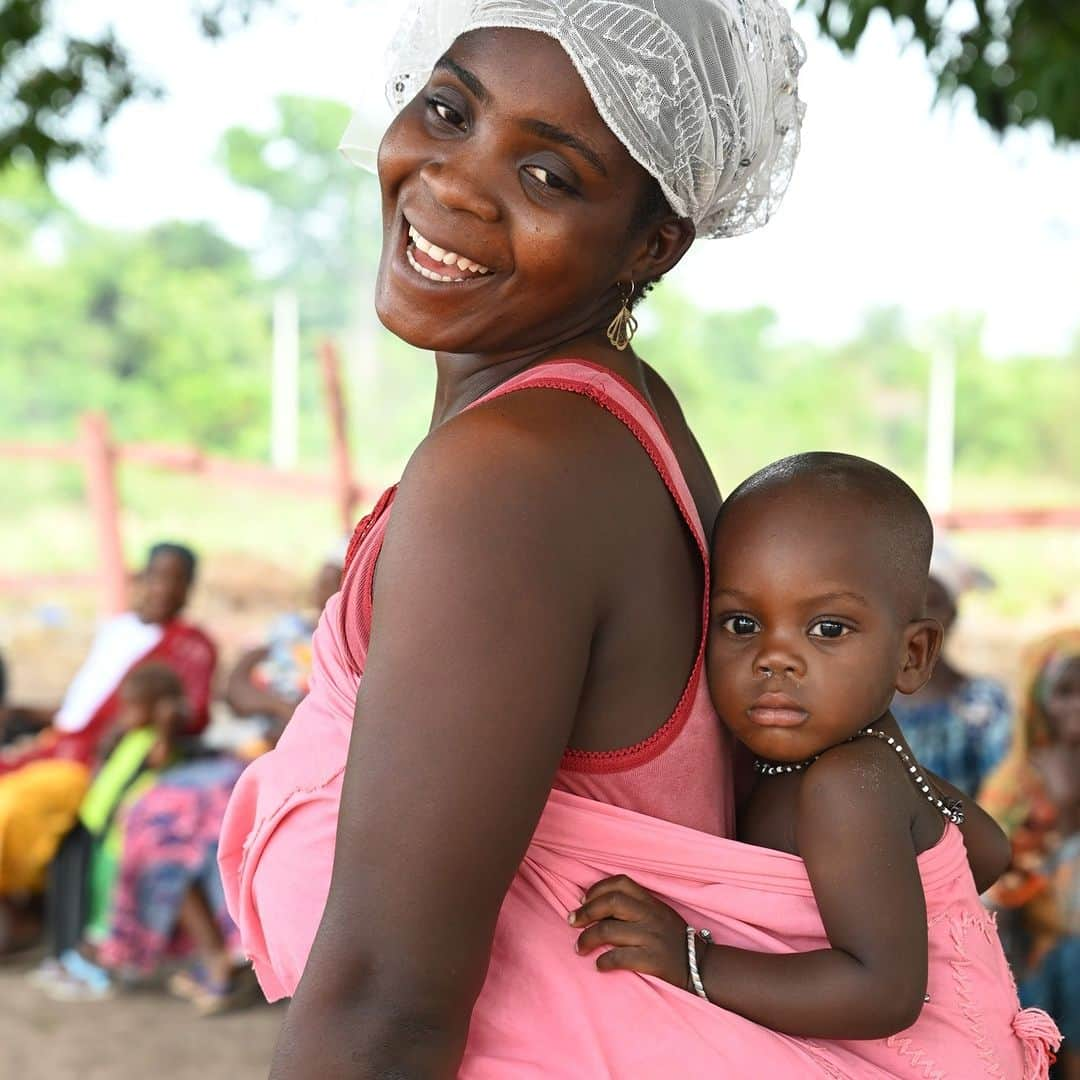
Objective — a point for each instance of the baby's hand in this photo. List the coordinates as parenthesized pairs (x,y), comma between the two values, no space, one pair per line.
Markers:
(641,933)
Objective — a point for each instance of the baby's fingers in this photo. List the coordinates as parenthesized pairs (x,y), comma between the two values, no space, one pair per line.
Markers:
(609,905)
(620,883)
(628,958)
(610,933)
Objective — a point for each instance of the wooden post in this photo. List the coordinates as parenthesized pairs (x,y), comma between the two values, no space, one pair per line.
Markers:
(285,382)
(345,489)
(941,427)
(99,463)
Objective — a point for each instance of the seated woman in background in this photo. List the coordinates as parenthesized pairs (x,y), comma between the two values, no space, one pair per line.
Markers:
(958,726)
(1035,796)
(270,680)
(43,778)
(151,630)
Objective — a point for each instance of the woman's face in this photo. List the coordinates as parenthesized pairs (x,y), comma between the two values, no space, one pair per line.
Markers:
(504,161)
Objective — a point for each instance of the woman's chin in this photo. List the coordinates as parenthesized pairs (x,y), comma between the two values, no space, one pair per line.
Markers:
(419,329)
(433,323)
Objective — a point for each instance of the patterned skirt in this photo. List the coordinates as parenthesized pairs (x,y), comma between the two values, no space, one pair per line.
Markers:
(170,844)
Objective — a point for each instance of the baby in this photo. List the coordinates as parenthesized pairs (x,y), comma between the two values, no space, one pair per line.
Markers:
(819,575)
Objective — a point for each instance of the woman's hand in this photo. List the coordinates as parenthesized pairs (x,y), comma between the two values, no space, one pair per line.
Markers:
(640,932)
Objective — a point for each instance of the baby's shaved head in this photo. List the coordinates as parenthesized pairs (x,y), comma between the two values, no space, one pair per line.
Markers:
(885,513)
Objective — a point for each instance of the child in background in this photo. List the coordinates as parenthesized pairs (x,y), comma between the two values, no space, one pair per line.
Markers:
(959,725)
(1035,795)
(818,588)
(153,711)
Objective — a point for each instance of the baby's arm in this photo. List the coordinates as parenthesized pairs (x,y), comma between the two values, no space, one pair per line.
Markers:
(858,852)
(988,850)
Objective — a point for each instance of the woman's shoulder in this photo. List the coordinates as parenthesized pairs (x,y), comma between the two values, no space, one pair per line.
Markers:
(554,446)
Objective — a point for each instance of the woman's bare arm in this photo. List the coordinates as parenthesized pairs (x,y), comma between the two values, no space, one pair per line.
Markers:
(485,607)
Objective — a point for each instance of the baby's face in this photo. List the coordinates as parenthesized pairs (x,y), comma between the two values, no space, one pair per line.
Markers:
(805,642)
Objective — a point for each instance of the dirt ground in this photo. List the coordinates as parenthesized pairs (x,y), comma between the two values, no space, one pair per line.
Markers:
(132,1037)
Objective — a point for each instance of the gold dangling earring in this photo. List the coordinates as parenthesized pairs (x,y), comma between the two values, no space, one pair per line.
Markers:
(624,326)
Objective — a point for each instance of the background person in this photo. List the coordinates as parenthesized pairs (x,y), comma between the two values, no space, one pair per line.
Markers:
(152,630)
(81,875)
(43,779)
(959,726)
(270,680)
(1035,795)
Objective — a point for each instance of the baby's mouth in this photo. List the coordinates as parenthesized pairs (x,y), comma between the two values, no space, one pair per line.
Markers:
(436,263)
(777,710)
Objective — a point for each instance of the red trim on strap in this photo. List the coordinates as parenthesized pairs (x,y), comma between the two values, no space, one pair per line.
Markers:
(365,525)
(628,757)
(590,761)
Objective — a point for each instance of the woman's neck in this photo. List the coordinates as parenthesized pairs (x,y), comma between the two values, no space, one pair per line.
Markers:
(464,378)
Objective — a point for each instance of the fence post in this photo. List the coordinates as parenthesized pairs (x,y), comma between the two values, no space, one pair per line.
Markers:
(99,464)
(285,382)
(941,427)
(345,489)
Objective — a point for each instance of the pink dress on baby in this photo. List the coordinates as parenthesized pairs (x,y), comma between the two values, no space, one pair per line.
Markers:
(659,811)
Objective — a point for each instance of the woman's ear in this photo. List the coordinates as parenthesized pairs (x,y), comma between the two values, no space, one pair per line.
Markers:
(662,247)
(922,646)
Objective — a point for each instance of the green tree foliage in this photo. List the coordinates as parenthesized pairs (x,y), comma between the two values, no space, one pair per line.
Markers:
(165,329)
(752,399)
(324,227)
(1019,59)
(58,92)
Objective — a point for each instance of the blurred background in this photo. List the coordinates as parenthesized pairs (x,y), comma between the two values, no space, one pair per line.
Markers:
(188,349)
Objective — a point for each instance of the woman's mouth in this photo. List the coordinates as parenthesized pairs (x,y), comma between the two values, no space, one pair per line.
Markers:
(436,263)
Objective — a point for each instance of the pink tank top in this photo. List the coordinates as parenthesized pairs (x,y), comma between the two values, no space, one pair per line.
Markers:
(682,772)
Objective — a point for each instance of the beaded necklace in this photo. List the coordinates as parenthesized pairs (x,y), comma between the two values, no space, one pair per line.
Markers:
(953,809)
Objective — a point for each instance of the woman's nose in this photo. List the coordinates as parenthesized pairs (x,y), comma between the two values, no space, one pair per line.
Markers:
(457,186)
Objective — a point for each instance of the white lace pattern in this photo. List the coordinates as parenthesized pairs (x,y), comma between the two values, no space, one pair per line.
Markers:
(702,93)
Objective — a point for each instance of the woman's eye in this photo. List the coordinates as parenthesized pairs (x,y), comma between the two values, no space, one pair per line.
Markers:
(830,629)
(740,625)
(547,178)
(447,113)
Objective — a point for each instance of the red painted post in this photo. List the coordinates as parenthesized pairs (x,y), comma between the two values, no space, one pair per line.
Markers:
(99,463)
(344,487)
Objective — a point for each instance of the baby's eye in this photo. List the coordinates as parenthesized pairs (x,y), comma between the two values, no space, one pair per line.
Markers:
(547,178)
(740,625)
(829,628)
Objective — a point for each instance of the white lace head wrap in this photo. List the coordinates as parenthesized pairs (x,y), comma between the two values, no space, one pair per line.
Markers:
(702,93)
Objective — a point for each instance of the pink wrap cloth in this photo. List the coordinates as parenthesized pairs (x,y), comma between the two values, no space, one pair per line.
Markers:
(545,1012)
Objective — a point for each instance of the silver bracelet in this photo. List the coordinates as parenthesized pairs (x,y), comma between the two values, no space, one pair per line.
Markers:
(691,956)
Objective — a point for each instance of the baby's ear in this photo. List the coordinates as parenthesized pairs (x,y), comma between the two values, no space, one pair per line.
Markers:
(922,646)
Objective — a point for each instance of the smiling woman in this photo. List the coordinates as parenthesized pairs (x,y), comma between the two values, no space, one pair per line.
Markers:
(521,623)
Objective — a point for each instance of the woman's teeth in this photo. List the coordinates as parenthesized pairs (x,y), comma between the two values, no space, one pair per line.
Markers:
(465,267)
